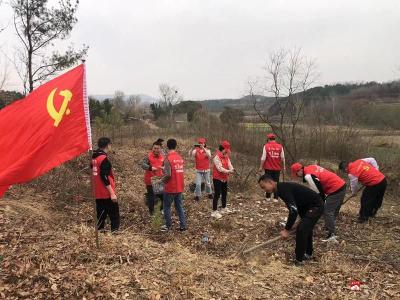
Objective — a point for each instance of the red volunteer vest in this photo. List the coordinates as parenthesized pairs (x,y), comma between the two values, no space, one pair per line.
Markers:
(330,182)
(202,160)
(100,190)
(157,162)
(273,160)
(175,184)
(225,164)
(366,173)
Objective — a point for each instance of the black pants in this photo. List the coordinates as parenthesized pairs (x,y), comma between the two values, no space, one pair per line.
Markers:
(371,199)
(220,190)
(151,199)
(106,207)
(305,231)
(275,176)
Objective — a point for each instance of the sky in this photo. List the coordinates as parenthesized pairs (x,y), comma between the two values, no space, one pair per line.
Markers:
(210,48)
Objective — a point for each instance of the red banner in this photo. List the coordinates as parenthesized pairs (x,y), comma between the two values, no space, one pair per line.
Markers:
(45,129)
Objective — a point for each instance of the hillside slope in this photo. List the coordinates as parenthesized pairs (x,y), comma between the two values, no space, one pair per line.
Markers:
(48,252)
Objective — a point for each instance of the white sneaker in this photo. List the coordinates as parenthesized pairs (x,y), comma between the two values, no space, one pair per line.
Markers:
(225,211)
(215,214)
(331,238)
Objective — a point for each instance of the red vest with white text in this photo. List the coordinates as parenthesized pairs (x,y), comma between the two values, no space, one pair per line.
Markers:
(175,184)
(202,160)
(330,182)
(100,190)
(273,160)
(225,164)
(157,162)
(366,173)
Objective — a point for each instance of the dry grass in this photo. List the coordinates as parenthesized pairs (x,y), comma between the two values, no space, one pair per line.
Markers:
(48,250)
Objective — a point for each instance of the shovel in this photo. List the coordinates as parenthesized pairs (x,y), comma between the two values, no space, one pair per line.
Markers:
(261,245)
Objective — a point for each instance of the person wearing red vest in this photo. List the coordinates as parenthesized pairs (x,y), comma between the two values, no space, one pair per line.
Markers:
(331,188)
(104,186)
(366,172)
(221,171)
(174,186)
(202,156)
(153,166)
(272,160)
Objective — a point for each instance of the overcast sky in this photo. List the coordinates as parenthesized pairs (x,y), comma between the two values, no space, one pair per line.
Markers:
(210,48)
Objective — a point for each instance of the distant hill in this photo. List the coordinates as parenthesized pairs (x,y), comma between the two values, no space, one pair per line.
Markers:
(244,103)
(371,91)
(145,98)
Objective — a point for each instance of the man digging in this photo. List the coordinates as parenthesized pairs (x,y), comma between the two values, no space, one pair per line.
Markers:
(301,201)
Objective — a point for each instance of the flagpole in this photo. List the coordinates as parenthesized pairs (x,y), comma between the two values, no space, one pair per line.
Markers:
(93,198)
(89,134)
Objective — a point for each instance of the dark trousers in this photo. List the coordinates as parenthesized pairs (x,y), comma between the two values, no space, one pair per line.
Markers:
(333,202)
(371,199)
(151,199)
(106,207)
(305,231)
(220,190)
(275,176)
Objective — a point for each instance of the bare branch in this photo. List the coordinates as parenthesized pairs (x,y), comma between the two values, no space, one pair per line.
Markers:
(289,75)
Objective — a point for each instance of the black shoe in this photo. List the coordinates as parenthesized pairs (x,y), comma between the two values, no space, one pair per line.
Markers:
(196,198)
(308,257)
(373,213)
(362,220)
(298,263)
(182,228)
(210,196)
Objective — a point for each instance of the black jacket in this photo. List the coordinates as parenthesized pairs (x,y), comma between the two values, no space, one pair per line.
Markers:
(299,199)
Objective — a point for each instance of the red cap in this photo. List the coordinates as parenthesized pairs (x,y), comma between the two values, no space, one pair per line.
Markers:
(295,168)
(271,136)
(226,145)
(201,140)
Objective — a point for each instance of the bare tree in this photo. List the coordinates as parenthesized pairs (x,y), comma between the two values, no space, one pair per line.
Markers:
(4,74)
(38,27)
(134,106)
(119,102)
(288,75)
(1,28)
(170,96)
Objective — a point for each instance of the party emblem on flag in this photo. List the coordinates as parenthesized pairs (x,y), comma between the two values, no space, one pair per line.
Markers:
(58,115)
(45,129)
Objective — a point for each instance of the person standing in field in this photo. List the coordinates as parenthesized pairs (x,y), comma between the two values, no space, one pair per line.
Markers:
(153,166)
(104,186)
(302,201)
(330,187)
(160,141)
(174,186)
(221,171)
(202,156)
(366,171)
(272,160)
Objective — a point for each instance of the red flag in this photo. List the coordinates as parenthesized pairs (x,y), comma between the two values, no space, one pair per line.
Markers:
(48,127)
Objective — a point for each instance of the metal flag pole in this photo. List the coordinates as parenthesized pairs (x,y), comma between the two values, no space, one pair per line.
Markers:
(90,152)
(93,199)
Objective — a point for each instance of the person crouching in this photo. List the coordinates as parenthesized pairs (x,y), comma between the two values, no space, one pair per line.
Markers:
(300,200)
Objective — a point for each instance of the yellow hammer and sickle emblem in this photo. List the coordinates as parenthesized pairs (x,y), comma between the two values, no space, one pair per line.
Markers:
(64,110)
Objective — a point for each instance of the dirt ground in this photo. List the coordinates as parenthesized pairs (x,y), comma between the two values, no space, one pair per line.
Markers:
(47,248)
